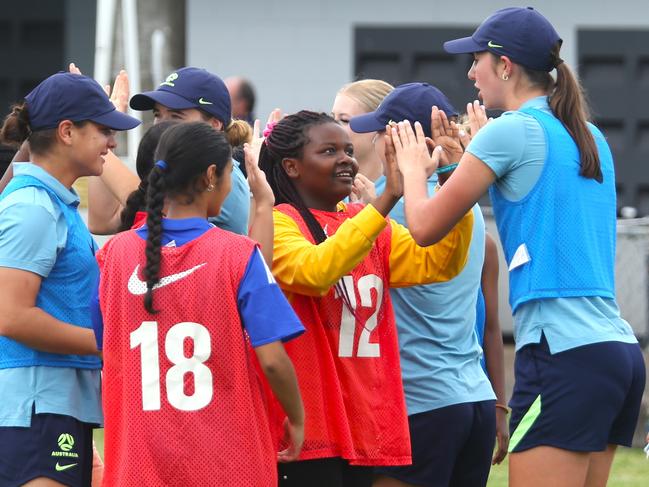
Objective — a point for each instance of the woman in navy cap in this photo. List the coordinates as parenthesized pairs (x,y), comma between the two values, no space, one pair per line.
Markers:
(49,368)
(579,370)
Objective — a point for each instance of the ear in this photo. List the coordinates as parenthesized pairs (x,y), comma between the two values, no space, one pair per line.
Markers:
(64,131)
(210,177)
(506,66)
(215,123)
(291,167)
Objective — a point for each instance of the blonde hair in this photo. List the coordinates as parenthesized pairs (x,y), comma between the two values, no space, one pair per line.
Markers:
(369,93)
(238,132)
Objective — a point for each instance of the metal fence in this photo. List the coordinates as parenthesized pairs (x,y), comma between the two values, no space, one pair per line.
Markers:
(631,275)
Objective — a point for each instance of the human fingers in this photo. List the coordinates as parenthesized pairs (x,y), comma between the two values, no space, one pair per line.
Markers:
(73,69)
(446,126)
(435,123)
(255,129)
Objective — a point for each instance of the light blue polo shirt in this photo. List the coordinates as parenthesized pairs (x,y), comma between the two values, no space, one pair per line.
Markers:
(439,350)
(235,211)
(514,147)
(32,232)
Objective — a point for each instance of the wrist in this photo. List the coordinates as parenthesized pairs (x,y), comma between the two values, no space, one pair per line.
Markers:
(503,409)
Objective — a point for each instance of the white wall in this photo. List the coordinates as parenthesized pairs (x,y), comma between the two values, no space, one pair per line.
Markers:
(299,53)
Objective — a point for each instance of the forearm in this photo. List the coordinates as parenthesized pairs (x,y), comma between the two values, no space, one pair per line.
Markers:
(280,373)
(494,352)
(104,211)
(39,330)
(261,230)
(118,179)
(302,267)
(411,264)
(384,203)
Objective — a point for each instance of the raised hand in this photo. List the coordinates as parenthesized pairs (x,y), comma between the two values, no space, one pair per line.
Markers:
(363,190)
(477,119)
(446,135)
(120,92)
(411,149)
(259,186)
(258,137)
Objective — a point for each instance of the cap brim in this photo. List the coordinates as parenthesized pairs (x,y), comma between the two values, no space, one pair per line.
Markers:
(116,120)
(365,123)
(147,100)
(464,45)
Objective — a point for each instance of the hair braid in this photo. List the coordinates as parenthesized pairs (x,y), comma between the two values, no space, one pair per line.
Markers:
(155,202)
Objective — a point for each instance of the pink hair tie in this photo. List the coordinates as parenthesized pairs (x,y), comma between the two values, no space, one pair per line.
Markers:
(269,129)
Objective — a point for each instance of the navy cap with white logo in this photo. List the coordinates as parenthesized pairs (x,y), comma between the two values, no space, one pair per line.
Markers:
(520,33)
(68,96)
(412,102)
(189,88)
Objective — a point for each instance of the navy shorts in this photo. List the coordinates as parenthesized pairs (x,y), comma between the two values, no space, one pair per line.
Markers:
(581,399)
(54,446)
(451,446)
(323,472)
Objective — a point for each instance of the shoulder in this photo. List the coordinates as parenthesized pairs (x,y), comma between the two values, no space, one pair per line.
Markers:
(30,197)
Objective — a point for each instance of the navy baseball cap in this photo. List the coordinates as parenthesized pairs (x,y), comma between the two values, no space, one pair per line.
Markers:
(520,33)
(68,96)
(412,102)
(189,88)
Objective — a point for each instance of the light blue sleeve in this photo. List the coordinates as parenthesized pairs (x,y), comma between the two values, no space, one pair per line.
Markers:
(513,146)
(235,211)
(28,238)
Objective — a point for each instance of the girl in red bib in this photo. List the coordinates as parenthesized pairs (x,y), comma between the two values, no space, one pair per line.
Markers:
(183,302)
(336,263)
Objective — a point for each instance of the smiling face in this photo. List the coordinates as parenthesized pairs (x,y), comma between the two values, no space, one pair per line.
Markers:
(483,73)
(325,173)
(89,144)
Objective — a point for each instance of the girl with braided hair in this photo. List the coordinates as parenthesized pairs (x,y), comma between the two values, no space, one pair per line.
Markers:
(336,262)
(184,303)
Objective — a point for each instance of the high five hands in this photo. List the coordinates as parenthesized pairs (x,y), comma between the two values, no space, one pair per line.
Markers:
(119,94)
(415,151)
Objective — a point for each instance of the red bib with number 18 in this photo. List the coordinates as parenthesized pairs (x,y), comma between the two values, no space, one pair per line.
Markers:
(182,402)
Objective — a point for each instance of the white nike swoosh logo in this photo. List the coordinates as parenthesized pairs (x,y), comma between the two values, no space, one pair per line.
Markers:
(138,287)
(204,102)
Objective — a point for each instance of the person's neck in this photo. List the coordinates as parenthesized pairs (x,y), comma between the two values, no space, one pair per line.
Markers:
(316,204)
(517,100)
(178,211)
(55,166)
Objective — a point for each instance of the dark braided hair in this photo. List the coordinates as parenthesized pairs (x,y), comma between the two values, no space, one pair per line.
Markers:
(287,140)
(188,150)
(144,161)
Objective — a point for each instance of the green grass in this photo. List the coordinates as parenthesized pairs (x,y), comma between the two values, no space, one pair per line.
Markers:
(630,468)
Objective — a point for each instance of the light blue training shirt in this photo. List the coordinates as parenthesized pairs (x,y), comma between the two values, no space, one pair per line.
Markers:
(439,350)
(514,147)
(32,232)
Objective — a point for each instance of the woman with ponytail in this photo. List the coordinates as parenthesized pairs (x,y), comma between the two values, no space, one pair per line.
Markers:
(579,370)
(181,306)
(49,368)
(336,263)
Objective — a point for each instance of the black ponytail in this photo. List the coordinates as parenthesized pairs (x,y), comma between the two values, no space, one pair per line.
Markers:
(188,150)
